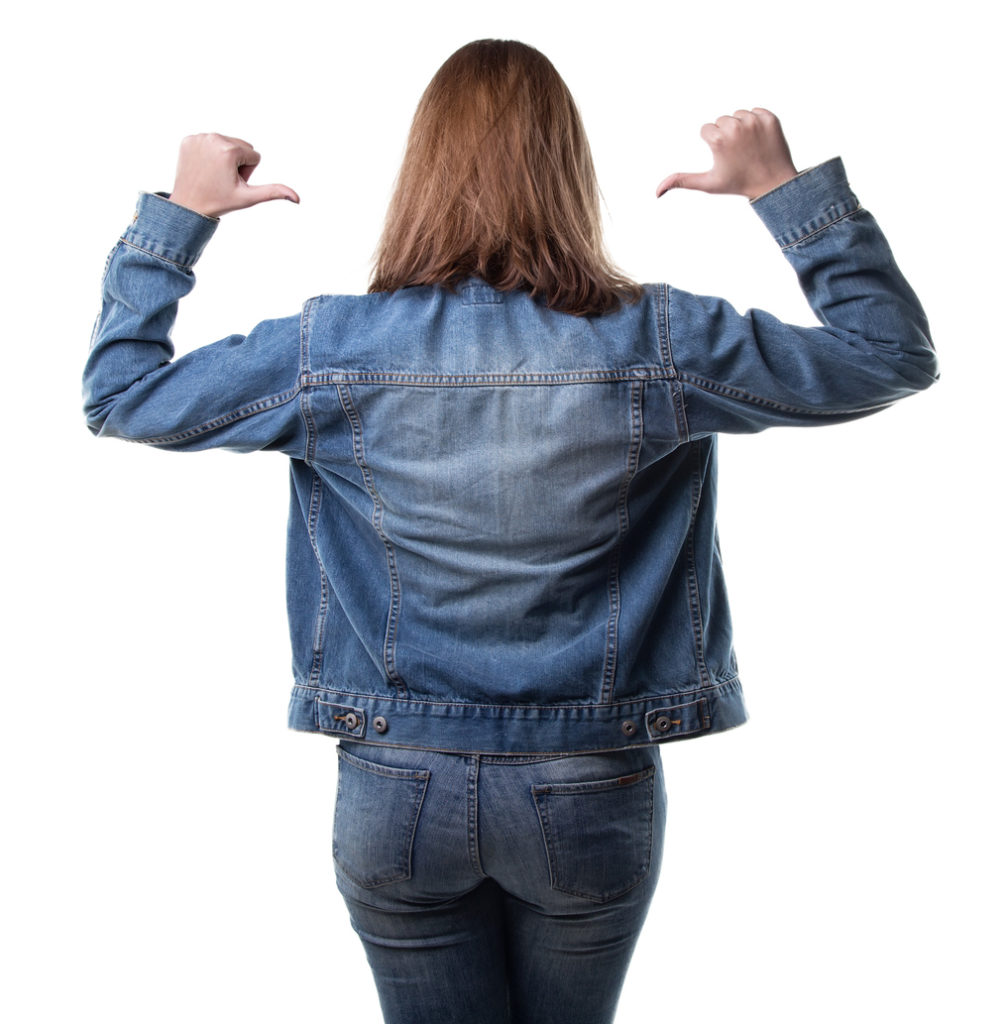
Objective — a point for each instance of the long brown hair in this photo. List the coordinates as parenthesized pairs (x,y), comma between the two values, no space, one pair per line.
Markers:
(498,182)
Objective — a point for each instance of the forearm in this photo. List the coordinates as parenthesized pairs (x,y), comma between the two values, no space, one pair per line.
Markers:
(147,274)
(747,372)
(847,271)
(239,392)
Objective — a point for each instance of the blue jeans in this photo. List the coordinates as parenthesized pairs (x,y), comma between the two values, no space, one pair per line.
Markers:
(494,889)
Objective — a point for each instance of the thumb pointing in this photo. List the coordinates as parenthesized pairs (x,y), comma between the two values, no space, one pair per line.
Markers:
(266,193)
(683,180)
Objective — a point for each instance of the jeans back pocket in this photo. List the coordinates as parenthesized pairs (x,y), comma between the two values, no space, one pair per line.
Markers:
(377,811)
(598,835)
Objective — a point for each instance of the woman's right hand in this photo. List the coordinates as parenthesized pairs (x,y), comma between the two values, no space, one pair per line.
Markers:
(750,157)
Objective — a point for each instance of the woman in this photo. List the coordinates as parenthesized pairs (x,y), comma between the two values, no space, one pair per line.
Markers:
(504,580)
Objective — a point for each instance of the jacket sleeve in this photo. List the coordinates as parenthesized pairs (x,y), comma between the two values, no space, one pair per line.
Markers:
(743,373)
(239,393)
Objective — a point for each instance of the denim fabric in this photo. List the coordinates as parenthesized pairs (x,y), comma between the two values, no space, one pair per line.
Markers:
(490,889)
(502,531)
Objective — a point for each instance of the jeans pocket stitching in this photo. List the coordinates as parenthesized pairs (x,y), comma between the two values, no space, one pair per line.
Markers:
(550,836)
(387,770)
(417,780)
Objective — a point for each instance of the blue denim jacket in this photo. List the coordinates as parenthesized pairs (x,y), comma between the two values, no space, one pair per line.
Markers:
(502,531)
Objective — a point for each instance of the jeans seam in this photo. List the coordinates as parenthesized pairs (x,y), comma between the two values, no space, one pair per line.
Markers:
(472,810)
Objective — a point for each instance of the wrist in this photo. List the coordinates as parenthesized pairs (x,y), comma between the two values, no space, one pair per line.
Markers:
(169,230)
(191,203)
(768,184)
(804,205)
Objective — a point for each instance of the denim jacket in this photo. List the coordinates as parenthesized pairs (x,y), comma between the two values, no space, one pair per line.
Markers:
(502,531)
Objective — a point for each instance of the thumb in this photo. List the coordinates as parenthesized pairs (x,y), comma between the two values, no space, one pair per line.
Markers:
(255,194)
(701,182)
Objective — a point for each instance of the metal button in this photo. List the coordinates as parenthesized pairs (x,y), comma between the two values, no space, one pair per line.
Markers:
(380,724)
(628,727)
(662,723)
(351,721)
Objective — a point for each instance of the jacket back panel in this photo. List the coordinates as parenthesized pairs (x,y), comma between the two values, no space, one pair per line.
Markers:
(501,509)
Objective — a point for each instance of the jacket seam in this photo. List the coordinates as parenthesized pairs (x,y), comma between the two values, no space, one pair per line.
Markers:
(664,328)
(314,501)
(677,400)
(678,403)
(695,595)
(817,230)
(674,698)
(377,522)
(728,391)
(253,409)
(309,424)
(187,265)
(622,516)
(635,373)
(318,636)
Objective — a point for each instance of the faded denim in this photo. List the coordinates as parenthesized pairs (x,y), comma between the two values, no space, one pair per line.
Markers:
(490,889)
(502,533)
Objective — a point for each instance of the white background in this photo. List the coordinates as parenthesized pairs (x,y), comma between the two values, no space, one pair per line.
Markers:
(167,839)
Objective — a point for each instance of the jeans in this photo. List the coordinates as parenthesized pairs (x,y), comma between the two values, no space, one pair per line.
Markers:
(498,889)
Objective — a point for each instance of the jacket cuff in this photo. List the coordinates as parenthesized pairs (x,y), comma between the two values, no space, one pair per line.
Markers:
(813,200)
(169,231)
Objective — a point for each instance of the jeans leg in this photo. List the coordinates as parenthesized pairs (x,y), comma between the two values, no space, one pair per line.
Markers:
(578,853)
(407,863)
(439,964)
(569,969)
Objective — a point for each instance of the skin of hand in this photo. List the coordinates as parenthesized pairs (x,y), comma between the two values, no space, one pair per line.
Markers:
(212,176)
(750,156)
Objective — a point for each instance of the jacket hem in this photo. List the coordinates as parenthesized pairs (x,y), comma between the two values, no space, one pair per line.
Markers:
(460,727)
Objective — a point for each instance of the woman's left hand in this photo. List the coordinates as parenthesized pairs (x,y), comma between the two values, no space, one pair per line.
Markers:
(212,176)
